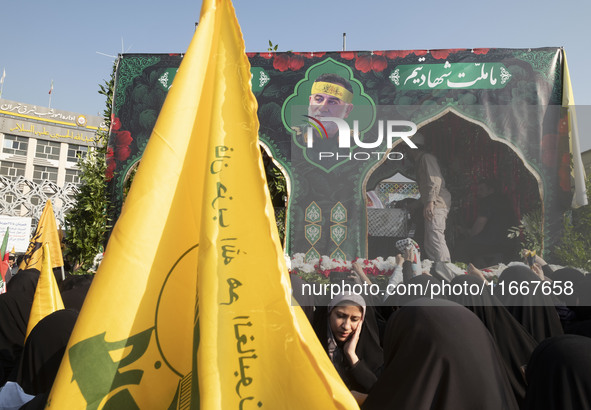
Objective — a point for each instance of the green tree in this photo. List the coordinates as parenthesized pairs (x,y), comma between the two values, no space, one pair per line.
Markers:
(87,222)
(574,246)
(529,231)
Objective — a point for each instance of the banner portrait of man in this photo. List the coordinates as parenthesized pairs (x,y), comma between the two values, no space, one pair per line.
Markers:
(328,90)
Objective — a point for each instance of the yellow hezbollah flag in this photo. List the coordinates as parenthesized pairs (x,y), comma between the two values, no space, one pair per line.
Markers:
(46,232)
(47,295)
(190,307)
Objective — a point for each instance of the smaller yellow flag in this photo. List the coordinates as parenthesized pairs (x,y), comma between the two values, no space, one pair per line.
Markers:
(47,295)
(46,232)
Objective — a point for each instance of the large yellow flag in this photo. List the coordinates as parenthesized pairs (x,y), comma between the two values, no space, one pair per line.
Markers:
(46,232)
(47,295)
(190,307)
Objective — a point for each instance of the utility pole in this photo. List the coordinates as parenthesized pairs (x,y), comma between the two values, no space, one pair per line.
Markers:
(50,91)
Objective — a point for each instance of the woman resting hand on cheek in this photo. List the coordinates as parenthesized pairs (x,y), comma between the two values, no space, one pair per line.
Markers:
(347,329)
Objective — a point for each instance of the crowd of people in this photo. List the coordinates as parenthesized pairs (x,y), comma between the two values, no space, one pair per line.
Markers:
(29,365)
(492,349)
(483,350)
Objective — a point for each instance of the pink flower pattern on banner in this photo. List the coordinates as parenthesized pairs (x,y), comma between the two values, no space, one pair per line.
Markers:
(111,164)
(309,55)
(369,62)
(284,62)
(281,62)
(348,55)
(397,54)
(442,54)
(122,140)
(115,123)
(296,62)
(122,153)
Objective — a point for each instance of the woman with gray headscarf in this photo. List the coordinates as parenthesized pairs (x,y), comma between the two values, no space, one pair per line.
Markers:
(347,329)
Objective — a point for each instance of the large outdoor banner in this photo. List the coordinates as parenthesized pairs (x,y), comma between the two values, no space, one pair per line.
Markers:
(492,114)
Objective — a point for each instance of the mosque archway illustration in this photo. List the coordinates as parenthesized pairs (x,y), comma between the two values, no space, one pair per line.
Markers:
(467,154)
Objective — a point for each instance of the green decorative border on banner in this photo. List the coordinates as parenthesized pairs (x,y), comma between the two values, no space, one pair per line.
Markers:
(338,213)
(312,255)
(338,234)
(259,79)
(165,80)
(339,255)
(313,233)
(313,213)
(128,69)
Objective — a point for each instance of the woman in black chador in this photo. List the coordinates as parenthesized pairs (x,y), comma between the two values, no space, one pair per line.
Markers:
(515,344)
(558,374)
(347,329)
(439,355)
(535,311)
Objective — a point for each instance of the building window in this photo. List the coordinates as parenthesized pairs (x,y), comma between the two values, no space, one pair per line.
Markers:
(15,145)
(36,200)
(12,170)
(9,198)
(73,175)
(41,173)
(48,149)
(76,152)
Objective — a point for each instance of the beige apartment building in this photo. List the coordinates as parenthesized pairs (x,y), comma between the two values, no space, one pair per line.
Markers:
(40,147)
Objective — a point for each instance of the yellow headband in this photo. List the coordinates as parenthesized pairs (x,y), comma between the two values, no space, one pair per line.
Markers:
(333,89)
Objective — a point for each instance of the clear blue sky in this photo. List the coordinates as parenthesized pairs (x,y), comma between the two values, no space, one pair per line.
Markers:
(44,40)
